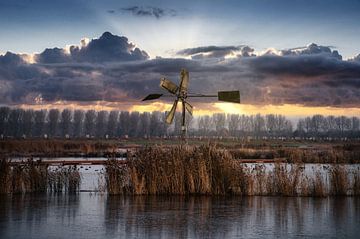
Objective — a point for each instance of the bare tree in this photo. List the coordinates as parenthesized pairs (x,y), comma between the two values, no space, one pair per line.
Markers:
(101,121)
(134,124)
(15,122)
(78,123)
(66,118)
(124,123)
(112,123)
(270,124)
(4,116)
(233,122)
(155,124)
(40,120)
(54,115)
(89,123)
(258,125)
(28,122)
(205,125)
(219,120)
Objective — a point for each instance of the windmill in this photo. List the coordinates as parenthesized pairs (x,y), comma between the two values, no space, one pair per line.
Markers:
(181,94)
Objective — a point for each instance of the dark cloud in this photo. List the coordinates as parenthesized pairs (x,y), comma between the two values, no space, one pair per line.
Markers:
(150,11)
(204,52)
(104,49)
(10,59)
(312,49)
(113,70)
(356,58)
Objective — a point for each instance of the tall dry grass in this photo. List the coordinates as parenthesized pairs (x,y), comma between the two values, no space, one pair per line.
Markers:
(25,178)
(339,182)
(5,174)
(31,177)
(210,170)
(356,182)
(64,179)
(178,170)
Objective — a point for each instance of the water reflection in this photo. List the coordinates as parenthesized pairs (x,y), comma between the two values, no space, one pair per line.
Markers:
(101,216)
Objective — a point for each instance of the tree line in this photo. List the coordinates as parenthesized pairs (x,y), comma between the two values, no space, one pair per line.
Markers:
(17,122)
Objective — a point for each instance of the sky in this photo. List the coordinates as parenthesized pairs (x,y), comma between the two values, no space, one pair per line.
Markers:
(292,57)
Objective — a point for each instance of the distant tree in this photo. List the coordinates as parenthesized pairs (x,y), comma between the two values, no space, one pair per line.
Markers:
(233,124)
(124,123)
(78,124)
(28,122)
(355,123)
(219,120)
(66,118)
(177,123)
(144,124)
(155,127)
(101,123)
(355,127)
(15,122)
(163,125)
(205,125)
(4,116)
(39,121)
(54,116)
(258,125)
(134,124)
(244,125)
(270,124)
(112,123)
(89,124)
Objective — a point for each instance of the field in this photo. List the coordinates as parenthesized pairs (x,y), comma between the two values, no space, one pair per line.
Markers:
(290,150)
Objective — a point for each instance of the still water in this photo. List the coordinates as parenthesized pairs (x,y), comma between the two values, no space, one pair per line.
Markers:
(89,215)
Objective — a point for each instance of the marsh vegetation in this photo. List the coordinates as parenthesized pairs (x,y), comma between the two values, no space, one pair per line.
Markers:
(210,170)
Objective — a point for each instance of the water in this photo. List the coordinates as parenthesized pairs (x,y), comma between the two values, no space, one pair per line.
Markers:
(100,216)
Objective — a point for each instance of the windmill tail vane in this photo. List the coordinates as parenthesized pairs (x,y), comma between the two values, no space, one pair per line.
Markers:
(181,95)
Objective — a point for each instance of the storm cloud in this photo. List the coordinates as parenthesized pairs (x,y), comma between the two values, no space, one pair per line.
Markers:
(112,69)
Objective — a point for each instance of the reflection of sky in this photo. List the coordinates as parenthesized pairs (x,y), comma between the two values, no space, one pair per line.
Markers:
(28,26)
(100,216)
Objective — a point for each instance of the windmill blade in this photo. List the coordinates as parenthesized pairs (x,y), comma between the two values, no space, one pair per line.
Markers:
(169,85)
(184,74)
(152,97)
(189,108)
(171,114)
(229,96)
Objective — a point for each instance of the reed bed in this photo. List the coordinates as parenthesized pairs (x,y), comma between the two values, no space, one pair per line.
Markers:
(30,177)
(209,170)
(64,179)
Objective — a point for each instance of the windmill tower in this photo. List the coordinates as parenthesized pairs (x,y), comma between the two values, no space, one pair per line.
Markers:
(180,93)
